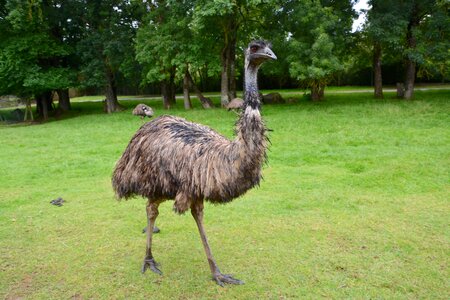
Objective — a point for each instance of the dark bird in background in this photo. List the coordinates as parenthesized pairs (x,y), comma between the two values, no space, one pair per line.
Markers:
(171,158)
(58,201)
(143,111)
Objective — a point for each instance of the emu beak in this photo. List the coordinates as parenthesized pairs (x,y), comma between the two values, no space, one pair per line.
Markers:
(269,53)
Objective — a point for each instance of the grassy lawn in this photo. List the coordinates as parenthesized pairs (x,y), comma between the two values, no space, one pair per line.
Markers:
(354,204)
(288,93)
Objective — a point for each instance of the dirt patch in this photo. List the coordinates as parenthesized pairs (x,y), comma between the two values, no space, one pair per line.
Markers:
(22,288)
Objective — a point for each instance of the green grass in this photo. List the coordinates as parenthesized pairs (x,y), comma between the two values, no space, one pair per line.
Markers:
(288,93)
(354,204)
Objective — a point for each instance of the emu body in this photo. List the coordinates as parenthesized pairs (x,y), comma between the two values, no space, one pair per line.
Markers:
(171,158)
(143,111)
(236,103)
(177,157)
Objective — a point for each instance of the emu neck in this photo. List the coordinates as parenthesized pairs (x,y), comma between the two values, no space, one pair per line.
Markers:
(250,128)
(251,92)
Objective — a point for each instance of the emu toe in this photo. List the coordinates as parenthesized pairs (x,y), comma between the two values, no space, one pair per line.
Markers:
(221,279)
(150,263)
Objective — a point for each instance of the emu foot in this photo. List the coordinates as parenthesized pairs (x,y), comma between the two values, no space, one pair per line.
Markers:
(221,279)
(150,263)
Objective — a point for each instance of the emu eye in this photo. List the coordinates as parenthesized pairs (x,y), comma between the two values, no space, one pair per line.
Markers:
(254,48)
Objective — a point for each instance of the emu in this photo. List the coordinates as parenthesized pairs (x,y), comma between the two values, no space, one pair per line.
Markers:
(236,103)
(143,111)
(171,158)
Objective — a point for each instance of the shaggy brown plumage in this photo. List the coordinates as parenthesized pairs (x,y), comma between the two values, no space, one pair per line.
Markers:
(171,158)
(236,103)
(143,111)
(180,157)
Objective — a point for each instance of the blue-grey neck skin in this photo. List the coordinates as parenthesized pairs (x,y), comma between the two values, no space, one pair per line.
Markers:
(251,92)
(250,128)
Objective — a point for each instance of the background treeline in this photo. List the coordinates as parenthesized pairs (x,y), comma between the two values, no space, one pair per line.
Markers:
(151,47)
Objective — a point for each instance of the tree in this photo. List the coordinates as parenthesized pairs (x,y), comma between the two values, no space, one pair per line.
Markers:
(109,27)
(403,28)
(170,50)
(218,19)
(384,30)
(317,37)
(35,54)
(225,21)
(415,14)
(158,42)
(434,42)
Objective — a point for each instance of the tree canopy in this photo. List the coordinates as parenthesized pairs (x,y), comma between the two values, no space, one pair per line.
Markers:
(36,53)
(49,46)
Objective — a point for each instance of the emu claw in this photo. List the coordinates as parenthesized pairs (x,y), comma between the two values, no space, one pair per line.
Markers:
(221,279)
(150,263)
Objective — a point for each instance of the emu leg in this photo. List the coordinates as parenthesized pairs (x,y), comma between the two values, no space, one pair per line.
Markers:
(197,213)
(149,262)
(155,229)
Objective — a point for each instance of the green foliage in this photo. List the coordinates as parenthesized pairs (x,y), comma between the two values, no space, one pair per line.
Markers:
(107,45)
(320,64)
(47,45)
(215,8)
(317,37)
(31,57)
(434,42)
(166,42)
(387,25)
(353,205)
(163,42)
(222,23)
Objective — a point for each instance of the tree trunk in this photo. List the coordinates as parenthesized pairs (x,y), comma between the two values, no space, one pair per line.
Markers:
(400,90)
(321,92)
(172,95)
(409,79)
(317,92)
(165,95)
(411,43)
(63,99)
(203,74)
(232,68)
(224,83)
(187,98)
(44,105)
(28,111)
(111,103)
(378,81)
(168,91)
(206,102)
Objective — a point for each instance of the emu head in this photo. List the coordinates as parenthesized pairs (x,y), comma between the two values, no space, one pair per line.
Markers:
(258,52)
(148,111)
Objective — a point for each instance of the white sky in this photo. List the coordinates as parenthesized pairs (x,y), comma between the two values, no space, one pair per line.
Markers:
(361,4)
